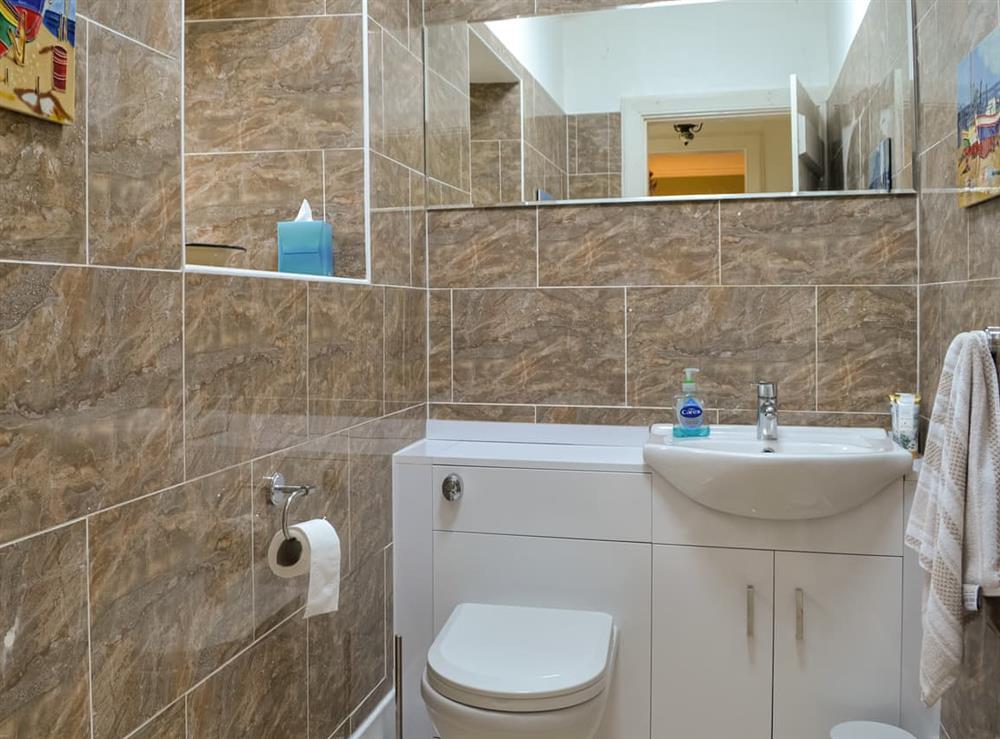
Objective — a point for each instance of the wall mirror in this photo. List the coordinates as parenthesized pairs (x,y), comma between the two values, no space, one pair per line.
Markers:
(678,98)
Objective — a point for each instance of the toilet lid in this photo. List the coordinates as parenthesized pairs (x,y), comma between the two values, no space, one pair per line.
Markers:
(516,658)
(868,730)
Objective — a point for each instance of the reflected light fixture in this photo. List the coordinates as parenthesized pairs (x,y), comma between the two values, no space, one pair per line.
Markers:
(686,131)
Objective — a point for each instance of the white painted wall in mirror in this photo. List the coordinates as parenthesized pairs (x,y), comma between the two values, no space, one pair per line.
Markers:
(684,49)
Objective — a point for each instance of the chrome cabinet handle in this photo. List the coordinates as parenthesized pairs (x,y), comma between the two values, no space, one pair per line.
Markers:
(750,606)
(451,488)
(800,614)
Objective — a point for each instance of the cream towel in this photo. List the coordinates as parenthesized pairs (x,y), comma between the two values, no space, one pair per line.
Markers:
(955,522)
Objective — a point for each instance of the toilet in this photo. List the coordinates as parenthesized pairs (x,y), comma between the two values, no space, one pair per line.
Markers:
(868,730)
(500,672)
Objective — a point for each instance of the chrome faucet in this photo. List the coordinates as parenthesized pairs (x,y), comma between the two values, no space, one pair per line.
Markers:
(767,411)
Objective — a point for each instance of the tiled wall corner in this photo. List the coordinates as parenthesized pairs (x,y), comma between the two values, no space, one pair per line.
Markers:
(959,291)
(145,405)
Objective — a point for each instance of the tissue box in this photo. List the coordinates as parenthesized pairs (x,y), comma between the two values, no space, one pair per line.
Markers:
(305,247)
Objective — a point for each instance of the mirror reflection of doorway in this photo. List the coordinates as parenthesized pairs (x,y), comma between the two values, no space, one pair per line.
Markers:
(728,155)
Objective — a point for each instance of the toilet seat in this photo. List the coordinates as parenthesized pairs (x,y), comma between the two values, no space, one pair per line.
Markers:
(517,659)
(868,730)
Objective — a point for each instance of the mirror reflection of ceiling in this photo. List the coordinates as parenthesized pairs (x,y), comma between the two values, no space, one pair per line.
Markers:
(588,62)
(564,106)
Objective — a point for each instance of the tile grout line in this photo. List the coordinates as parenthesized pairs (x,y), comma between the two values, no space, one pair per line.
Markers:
(626,347)
(718,206)
(135,41)
(90,648)
(253,584)
(253,643)
(183,235)
(86,145)
(816,348)
(199,478)
(451,329)
(238,19)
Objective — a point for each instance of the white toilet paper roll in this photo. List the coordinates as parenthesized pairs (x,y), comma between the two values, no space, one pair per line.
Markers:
(972,598)
(320,559)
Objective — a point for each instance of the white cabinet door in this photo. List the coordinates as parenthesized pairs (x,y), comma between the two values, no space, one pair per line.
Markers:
(837,627)
(712,638)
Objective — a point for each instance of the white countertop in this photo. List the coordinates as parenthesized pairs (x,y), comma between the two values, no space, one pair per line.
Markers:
(531,446)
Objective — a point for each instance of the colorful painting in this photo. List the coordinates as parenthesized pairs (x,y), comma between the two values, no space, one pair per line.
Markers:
(38,58)
(978,102)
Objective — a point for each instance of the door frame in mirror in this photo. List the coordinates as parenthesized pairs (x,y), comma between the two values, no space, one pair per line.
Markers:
(638,110)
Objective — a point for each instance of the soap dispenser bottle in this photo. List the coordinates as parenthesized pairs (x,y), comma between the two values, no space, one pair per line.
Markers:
(689,410)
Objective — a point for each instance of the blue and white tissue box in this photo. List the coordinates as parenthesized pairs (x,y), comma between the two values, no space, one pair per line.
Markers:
(305,246)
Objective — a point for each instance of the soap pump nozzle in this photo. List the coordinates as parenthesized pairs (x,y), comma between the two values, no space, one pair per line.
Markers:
(689,385)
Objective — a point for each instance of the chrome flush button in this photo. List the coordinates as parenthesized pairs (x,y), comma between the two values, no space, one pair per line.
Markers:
(451,488)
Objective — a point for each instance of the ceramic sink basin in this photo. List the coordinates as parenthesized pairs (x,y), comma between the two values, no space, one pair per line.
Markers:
(808,473)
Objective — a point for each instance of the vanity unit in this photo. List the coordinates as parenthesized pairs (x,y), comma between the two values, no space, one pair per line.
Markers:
(730,626)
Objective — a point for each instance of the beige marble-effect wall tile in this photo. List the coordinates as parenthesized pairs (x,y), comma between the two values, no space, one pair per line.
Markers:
(819,241)
(448,143)
(439,345)
(172,570)
(345,355)
(736,335)
(391,258)
(405,347)
(495,111)
(92,381)
(551,7)
(347,649)
(372,447)
(555,346)
(446,11)
(510,172)
(262,693)
(811,418)
(403,96)
(238,199)
(156,23)
(43,180)
(134,131)
(592,144)
(947,310)
(245,358)
(662,244)
(482,248)
(418,230)
(393,16)
(473,412)
(604,416)
(486,173)
(945,36)
(447,49)
(967,710)
(239,97)
(324,463)
(867,344)
(944,225)
(585,186)
(345,209)
(216,9)
(984,250)
(43,616)
(171,724)
(376,93)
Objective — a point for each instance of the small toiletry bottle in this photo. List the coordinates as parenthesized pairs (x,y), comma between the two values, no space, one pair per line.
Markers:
(905,410)
(689,410)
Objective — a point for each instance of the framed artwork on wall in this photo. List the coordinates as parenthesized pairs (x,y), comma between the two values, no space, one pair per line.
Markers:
(38,58)
(978,105)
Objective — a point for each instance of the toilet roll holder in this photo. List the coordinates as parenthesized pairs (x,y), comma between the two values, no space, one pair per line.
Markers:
(280,493)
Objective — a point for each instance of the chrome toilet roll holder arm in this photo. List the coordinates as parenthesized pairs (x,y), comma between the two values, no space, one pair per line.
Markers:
(280,493)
